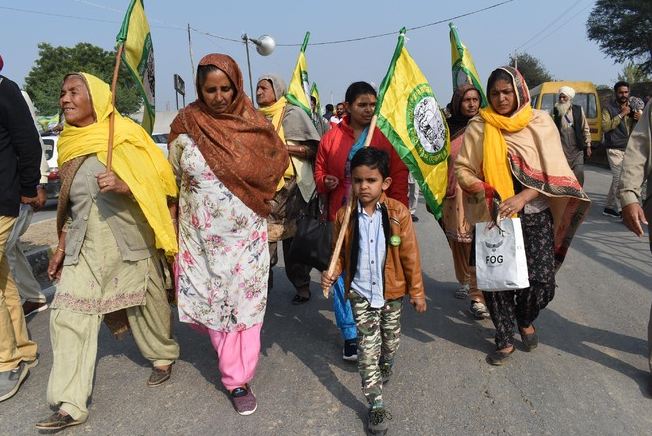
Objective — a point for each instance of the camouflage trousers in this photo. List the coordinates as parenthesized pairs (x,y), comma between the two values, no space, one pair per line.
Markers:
(379,331)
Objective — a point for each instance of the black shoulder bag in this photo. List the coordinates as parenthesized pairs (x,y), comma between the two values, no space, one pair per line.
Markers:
(312,241)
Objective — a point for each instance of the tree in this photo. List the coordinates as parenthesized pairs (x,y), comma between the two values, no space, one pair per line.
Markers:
(531,68)
(44,79)
(623,30)
(632,73)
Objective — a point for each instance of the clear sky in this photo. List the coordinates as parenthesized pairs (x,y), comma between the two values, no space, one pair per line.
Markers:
(553,31)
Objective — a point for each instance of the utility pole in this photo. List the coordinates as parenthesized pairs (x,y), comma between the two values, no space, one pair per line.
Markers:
(192,64)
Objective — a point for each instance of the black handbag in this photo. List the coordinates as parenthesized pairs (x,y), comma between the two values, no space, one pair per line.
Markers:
(312,241)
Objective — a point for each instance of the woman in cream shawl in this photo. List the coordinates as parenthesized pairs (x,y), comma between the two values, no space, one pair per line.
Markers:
(512,164)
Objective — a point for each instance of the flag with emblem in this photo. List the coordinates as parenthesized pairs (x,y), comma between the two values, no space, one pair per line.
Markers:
(138,57)
(410,118)
(299,90)
(314,92)
(463,67)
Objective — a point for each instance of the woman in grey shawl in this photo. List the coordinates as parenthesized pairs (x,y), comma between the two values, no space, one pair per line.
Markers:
(297,131)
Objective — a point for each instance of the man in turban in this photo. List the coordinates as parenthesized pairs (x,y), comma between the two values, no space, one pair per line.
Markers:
(574,131)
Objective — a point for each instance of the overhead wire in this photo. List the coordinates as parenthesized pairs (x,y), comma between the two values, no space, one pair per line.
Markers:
(552,32)
(380,35)
(240,41)
(547,27)
(52,14)
(119,11)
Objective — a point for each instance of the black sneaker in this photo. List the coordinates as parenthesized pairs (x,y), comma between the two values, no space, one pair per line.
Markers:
(350,351)
(607,211)
(377,420)
(244,400)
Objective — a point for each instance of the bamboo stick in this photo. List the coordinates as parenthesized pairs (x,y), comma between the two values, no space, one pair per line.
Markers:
(114,82)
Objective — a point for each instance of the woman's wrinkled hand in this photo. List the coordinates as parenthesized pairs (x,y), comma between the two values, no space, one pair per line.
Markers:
(56,264)
(110,182)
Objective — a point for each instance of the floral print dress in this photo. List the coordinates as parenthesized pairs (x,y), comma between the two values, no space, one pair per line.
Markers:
(223,259)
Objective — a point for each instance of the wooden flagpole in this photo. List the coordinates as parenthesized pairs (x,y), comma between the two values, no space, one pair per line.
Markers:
(347,213)
(114,82)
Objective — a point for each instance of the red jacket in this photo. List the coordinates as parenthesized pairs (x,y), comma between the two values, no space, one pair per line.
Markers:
(331,159)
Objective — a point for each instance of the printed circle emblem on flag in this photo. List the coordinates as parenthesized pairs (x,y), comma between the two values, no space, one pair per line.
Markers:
(425,125)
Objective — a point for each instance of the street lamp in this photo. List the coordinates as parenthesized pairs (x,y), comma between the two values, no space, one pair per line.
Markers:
(265,45)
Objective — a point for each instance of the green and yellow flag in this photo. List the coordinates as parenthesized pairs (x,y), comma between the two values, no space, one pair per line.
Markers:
(299,90)
(409,116)
(463,68)
(314,92)
(138,56)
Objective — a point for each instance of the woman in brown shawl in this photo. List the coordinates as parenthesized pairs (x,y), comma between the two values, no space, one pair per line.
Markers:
(464,105)
(228,161)
(512,164)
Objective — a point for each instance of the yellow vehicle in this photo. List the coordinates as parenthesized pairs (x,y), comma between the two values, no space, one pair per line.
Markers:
(545,95)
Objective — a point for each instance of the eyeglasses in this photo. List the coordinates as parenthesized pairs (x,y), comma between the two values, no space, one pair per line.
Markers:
(563,97)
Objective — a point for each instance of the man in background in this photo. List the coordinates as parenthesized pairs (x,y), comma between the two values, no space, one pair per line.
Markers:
(20,156)
(28,287)
(574,131)
(636,169)
(618,121)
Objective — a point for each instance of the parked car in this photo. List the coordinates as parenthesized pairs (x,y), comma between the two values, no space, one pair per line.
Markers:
(53,185)
(161,140)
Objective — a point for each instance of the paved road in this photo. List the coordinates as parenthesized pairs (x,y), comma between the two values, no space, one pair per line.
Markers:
(588,376)
(49,211)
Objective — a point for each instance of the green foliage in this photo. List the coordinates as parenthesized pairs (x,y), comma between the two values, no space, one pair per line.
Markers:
(44,79)
(623,30)
(531,68)
(632,73)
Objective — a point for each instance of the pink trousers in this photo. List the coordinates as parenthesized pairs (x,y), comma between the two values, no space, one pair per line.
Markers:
(237,354)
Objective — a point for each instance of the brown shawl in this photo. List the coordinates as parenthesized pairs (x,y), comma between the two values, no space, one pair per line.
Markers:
(67,174)
(239,145)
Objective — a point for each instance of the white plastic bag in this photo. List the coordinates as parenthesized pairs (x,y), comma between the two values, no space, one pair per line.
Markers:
(500,262)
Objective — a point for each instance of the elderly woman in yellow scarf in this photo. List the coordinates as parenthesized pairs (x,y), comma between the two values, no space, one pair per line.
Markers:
(114,229)
(297,131)
(512,164)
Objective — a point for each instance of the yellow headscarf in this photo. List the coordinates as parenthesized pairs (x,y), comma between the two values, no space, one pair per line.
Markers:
(274,113)
(136,160)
